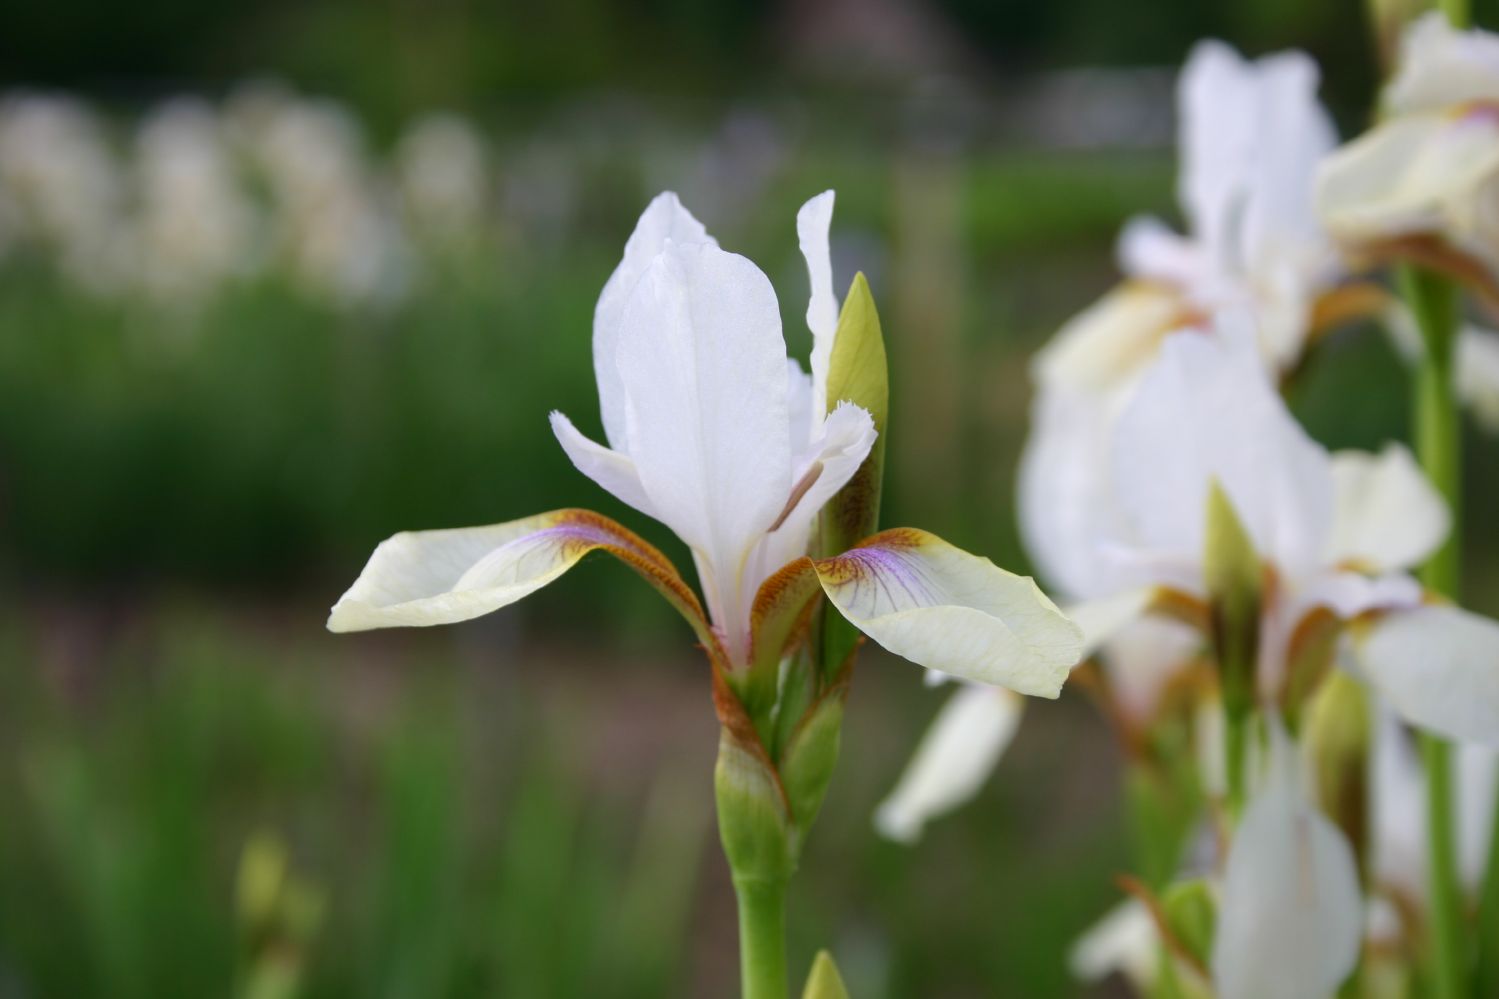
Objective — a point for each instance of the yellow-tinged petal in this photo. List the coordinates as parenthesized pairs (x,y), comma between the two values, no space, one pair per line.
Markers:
(945,609)
(420,578)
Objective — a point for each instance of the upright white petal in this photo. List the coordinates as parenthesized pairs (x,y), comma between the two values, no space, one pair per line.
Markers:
(1206,410)
(1387,514)
(812,224)
(1217,115)
(703,367)
(1441,66)
(610,469)
(1438,667)
(1291,916)
(1477,374)
(953,759)
(663,219)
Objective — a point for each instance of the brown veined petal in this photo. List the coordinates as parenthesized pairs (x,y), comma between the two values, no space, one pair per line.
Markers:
(945,609)
(421,578)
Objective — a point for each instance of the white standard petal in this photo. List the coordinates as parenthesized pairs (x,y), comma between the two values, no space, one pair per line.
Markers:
(1207,411)
(812,224)
(945,609)
(610,469)
(952,761)
(1291,918)
(705,378)
(830,460)
(1477,375)
(1217,121)
(663,219)
(1387,515)
(1438,667)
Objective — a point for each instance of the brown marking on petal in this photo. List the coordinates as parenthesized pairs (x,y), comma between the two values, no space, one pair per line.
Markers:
(782,611)
(896,537)
(1139,890)
(1309,655)
(584,531)
(797,492)
(1181,606)
(1437,254)
(1348,303)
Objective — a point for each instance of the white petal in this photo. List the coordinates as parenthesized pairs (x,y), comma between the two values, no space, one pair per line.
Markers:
(842,443)
(1107,344)
(813,221)
(610,469)
(1406,176)
(1125,941)
(799,407)
(664,218)
(1105,617)
(421,578)
(1477,375)
(1387,515)
(1142,658)
(704,370)
(1207,410)
(1441,66)
(952,761)
(1217,116)
(1148,249)
(1438,667)
(942,608)
(1291,917)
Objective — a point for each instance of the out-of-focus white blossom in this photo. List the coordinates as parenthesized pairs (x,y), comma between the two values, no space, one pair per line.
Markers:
(196,225)
(64,186)
(442,169)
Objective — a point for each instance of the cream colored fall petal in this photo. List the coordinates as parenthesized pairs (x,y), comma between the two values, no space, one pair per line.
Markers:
(945,609)
(1386,514)
(1438,668)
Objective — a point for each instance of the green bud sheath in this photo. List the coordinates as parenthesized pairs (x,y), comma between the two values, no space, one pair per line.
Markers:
(824,982)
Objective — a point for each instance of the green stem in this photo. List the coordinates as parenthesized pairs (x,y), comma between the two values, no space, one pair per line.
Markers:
(1433,299)
(762,938)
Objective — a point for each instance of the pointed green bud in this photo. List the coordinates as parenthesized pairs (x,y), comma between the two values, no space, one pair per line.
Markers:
(261,878)
(1191,914)
(858,373)
(824,982)
(1338,736)
(758,838)
(811,754)
(1231,570)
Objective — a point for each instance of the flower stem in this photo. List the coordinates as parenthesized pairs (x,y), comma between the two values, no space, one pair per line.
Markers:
(1458,13)
(762,937)
(1433,299)
(1235,756)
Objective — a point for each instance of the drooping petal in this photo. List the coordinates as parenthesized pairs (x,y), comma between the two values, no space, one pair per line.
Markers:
(952,761)
(610,469)
(1477,375)
(1107,344)
(1147,248)
(1207,411)
(1102,619)
(1125,941)
(813,221)
(1441,67)
(1387,515)
(1291,916)
(942,608)
(420,578)
(704,369)
(663,219)
(1438,667)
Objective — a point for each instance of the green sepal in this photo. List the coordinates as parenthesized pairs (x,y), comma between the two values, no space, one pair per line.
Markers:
(1231,570)
(824,982)
(858,372)
(754,825)
(810,757)
(1339,735)
(1191,914)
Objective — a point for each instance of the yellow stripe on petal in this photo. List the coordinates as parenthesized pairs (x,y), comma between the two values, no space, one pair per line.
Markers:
(421,578)
(945,609)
